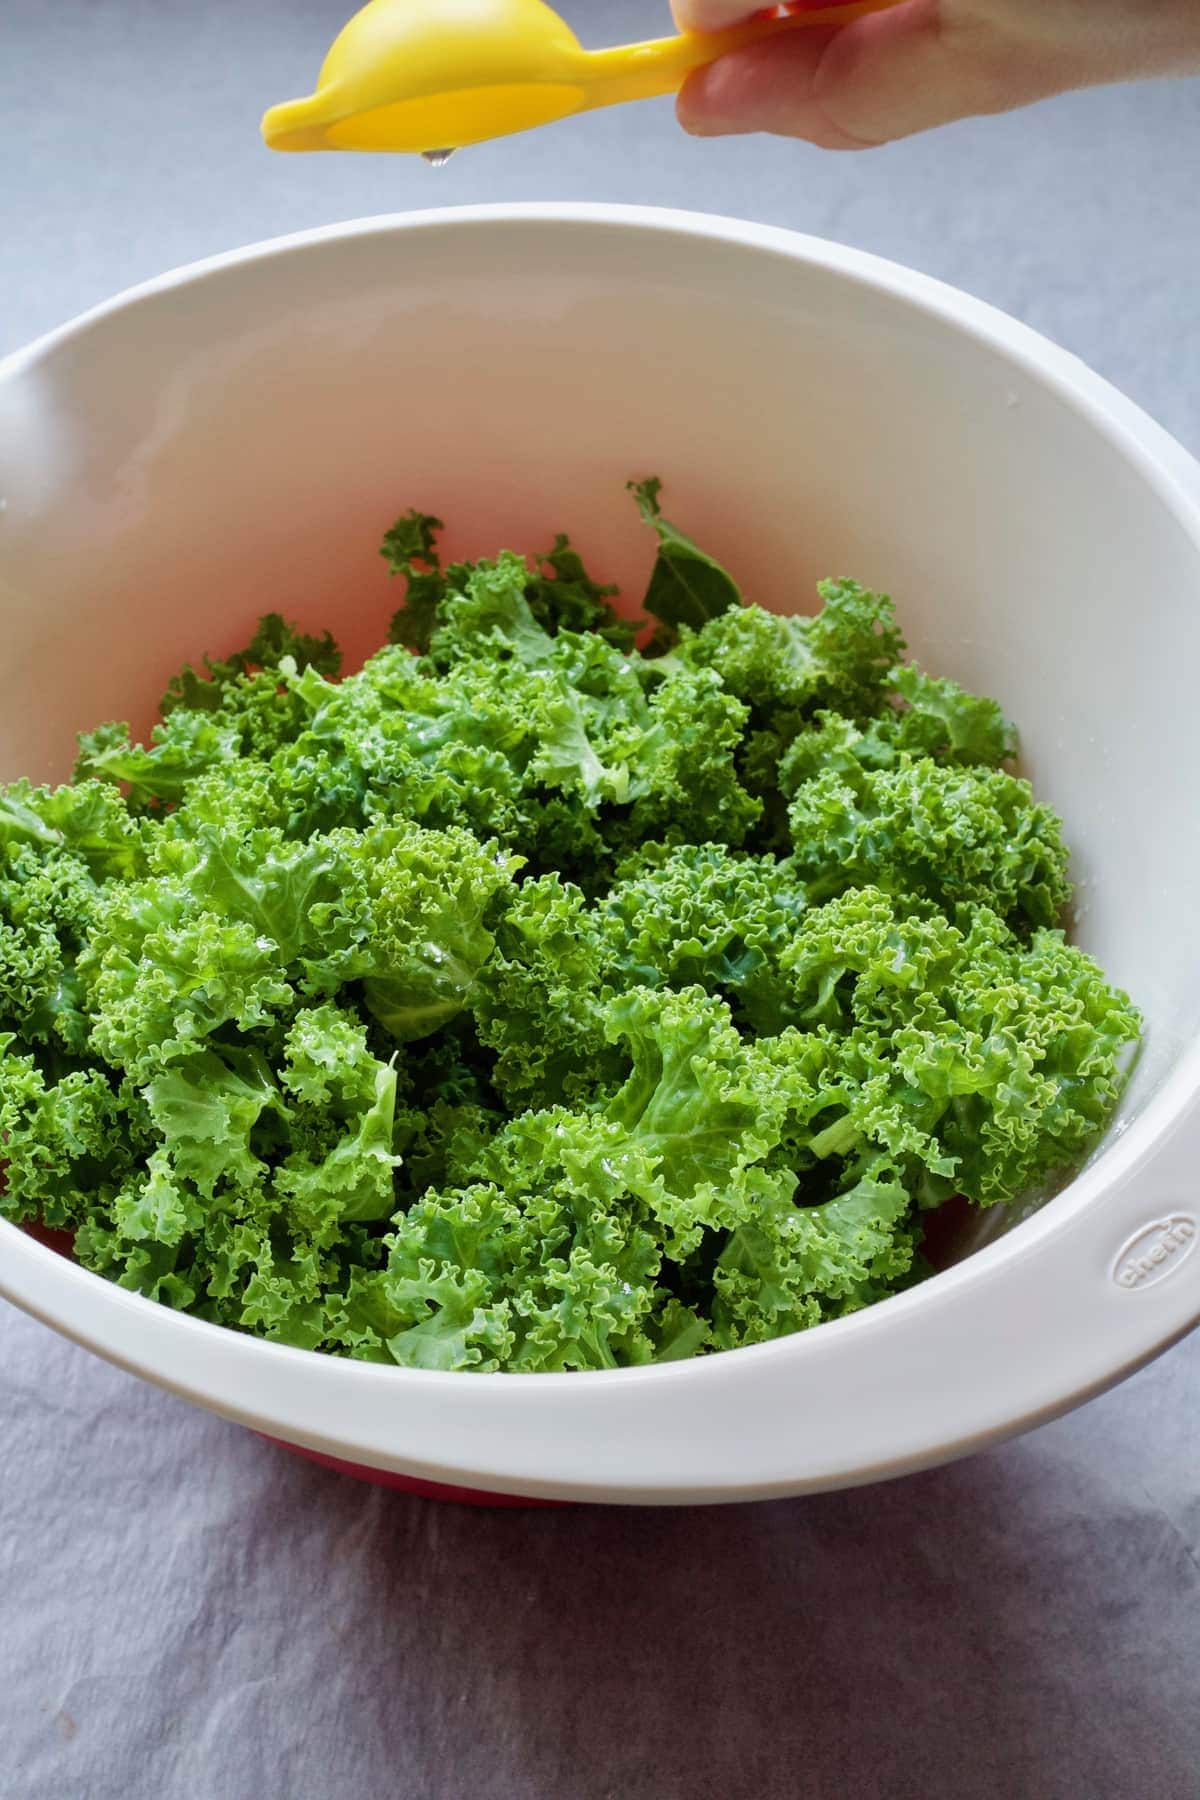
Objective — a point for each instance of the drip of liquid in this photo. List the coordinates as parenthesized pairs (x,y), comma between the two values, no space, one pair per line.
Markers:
(437,159)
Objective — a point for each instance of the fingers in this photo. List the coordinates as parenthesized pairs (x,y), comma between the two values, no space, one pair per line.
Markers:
(712,15)
(882,77)
(715,15)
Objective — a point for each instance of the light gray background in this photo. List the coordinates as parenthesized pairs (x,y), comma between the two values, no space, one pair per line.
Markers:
(189,1614)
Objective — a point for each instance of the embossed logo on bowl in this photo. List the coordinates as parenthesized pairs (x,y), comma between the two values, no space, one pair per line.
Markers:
(1155,1251)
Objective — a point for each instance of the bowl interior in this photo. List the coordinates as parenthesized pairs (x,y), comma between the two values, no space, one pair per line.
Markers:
(237,442)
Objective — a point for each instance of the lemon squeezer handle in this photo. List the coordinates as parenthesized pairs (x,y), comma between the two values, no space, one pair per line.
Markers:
(644,71)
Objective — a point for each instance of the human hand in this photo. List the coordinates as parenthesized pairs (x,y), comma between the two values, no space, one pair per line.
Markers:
(926,62)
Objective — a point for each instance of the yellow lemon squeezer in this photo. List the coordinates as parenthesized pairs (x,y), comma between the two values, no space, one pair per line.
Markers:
(427,76)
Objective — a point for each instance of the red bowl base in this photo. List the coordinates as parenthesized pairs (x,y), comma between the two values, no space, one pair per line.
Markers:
(411,1484)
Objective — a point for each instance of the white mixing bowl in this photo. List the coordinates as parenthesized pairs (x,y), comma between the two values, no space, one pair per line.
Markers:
(234,438)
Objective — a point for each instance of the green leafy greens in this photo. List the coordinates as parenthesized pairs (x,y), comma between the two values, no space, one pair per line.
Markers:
(531,1001)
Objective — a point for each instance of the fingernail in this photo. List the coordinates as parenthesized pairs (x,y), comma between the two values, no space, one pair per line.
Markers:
(706,125)
(703,107)
(699,117)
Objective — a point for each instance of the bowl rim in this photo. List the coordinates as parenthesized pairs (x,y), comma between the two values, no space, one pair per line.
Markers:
(701,1431)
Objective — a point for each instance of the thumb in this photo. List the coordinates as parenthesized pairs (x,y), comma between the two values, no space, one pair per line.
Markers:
(881,77)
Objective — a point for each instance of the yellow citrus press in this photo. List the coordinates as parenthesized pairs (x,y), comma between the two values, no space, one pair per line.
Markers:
(427,76)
